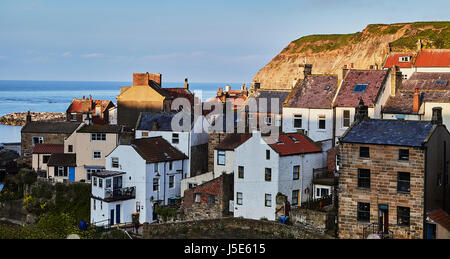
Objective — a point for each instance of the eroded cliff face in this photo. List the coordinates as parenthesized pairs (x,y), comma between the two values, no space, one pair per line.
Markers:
(329,53)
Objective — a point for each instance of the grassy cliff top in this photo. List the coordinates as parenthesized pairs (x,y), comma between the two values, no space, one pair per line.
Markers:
(432,34)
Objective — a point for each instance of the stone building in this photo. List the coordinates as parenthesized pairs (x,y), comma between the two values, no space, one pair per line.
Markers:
(209,200)
(36,132)
(391,173)
(147,95)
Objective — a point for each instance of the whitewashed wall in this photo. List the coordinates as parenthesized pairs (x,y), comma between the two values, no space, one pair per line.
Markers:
(229,163)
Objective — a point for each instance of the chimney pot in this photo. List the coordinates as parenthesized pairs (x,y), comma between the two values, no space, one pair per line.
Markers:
(186,84)
(416,101)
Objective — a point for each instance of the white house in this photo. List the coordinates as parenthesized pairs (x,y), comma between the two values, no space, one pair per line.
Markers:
(266,166)
(41,156)
(137,178)
(192,142)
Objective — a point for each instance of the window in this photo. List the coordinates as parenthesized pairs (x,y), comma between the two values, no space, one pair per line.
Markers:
(239,198)
(175,138)
(268,174)
(171,181)
(144,134)
(363,212)
(360,88)
(198,197)
(268,120)
(321,121)
(100,183)
(108,183)
(241,172)
(156,168)
(95,205)
(211,199)
(221,157)
(73,116)
(95,181)
(403,216)
(70,148)
(98,136)
(192,185)
(297,121)
(296,173)
(404,59)
(97,155)
(170,165)
(114,162)
(364,178)
(364,152)
(322,192)
(45,159)
(268,200)
(403,154)
(61,171)
(155,184)
(295,197)
(346,118)
(404,77)
(38,140)
(403,182)
(267,154)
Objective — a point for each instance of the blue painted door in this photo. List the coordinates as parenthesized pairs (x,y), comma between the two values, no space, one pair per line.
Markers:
(117,213)
(71,174)
(111,218)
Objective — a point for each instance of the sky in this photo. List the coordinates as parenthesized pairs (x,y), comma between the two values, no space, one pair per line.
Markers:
(204,40)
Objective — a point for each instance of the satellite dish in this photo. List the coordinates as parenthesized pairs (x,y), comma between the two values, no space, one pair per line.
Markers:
(73,236)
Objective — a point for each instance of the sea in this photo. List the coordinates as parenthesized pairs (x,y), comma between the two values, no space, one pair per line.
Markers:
(55,96)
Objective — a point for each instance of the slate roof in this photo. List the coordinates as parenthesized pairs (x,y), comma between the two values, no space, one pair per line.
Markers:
(315,92)
(50,127)
(62,160)
(375,80)
(433,58)
(232,141)
(164,120)
(96,128)
(288,146)
(388,132)
(106,173)
(268,95)
(157,149)
(433,87)
(393,60)
(441,217)
(48,148)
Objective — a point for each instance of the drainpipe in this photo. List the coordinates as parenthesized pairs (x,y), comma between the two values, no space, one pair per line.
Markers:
(425,230)
(164,194)
(334,128)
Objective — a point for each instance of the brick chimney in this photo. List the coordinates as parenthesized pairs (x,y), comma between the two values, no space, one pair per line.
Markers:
(304,70)
(396,80)
(186,85)
(28,117)
(437,116)
(145,78)
(416,101)
(344,71)
(361,111)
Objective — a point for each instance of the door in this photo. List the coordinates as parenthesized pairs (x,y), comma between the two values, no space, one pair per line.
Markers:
(117,182)
(383,218)
(117,213)
(111,218)
(71,174)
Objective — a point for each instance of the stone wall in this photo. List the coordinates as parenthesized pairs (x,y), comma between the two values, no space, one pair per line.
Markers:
(214,139)
(14,212)
(280,230)
(49,138)
(384,166)
(314,218)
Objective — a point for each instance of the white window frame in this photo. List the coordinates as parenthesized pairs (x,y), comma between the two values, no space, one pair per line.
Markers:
(221,153)
(239,197)
(268,202)
(320,118)
(40,140)
(72,115)
(349,118)
(298,117)
(171,181)
(113,162)
(155,184)
(175,138)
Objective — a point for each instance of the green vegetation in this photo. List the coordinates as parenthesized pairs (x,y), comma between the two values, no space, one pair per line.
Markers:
(434,35)
(318,43)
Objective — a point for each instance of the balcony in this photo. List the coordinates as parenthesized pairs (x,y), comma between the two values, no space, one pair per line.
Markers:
(125,193)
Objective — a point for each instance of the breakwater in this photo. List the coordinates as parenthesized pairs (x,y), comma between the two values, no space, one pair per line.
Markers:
(19,118)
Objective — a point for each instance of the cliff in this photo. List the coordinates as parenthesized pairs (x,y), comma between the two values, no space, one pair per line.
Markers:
(329,53)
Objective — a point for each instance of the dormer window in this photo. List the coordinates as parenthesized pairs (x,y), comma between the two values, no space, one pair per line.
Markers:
(404,59)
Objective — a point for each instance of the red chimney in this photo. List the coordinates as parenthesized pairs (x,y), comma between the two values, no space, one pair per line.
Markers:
(351,65)
(416,101)
(345,66)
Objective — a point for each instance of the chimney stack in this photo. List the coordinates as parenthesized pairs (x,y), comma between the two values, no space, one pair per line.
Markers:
(361,111)
(304,70)
(351,65)
(416,101)
(344,72)
(28,117)
(186,85)
(437,116)
(396,80)
(155,125)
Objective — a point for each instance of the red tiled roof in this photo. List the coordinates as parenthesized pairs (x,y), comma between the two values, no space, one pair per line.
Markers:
(315,92)
(48,149)
(211,187)
(394,60)
(441,217)
(87,105)
(374,79)
(288,147)
(433,58)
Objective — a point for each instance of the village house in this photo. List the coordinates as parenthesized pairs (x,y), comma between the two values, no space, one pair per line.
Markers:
(91,144)
(41,156)
(391,174)
(147,95)
(61,167)
(235,97)
(137,178)
(39,132)
(268,165)
(309,109)
(209,200)
(82,109)
(373,86)
(403,60)
(192,141)
(415,98)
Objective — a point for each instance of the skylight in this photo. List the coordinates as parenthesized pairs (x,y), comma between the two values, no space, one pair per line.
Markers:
(294,139)
(278,141)
(327,87)
(441,82)
(360,87)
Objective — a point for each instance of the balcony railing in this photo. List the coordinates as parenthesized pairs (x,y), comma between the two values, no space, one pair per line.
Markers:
(373,231)
(120,193)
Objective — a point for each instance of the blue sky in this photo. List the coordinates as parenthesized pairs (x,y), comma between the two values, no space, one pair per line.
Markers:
(208,41)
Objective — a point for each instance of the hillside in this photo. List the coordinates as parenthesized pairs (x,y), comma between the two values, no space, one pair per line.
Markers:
(329,53)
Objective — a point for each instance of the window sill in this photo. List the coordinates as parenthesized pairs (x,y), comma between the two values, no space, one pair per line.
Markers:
(403,192)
